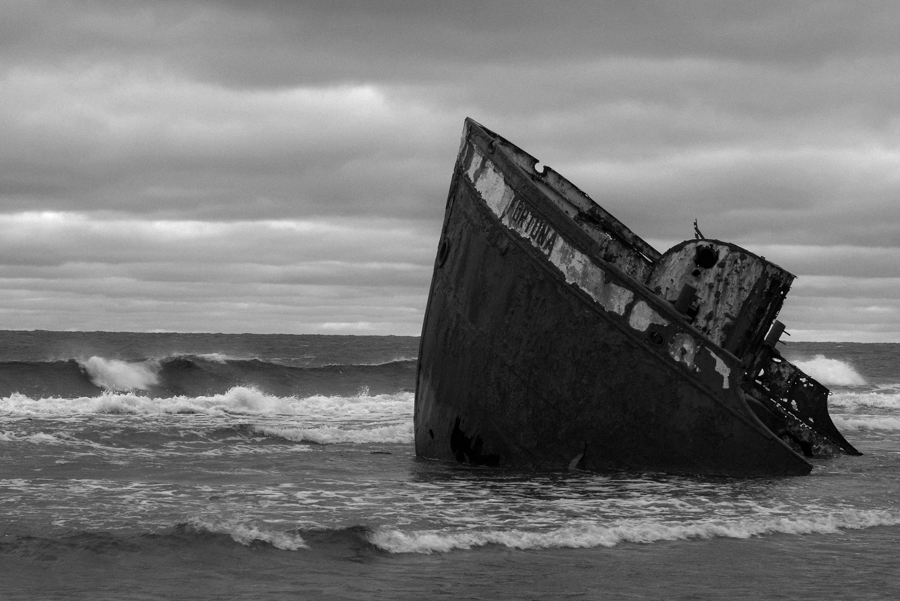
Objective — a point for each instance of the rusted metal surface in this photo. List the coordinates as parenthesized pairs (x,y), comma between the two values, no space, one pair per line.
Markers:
(737,294)
(550,340)
(803,402)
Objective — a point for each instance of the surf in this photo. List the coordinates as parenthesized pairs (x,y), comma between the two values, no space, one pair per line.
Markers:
(198,375)
(592,534)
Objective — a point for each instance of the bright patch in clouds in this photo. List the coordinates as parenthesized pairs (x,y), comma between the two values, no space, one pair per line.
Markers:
(284,276)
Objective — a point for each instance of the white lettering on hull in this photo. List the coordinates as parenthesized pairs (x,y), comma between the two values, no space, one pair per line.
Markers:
(576,267)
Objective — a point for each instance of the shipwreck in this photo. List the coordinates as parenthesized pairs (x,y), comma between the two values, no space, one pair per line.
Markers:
(555,337)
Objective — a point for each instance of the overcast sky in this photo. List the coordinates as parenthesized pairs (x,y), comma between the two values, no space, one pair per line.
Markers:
(263,166)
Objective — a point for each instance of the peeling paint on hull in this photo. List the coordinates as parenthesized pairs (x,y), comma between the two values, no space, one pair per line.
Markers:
(545,344)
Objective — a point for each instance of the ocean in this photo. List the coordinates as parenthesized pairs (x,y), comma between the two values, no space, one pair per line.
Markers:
(212,466)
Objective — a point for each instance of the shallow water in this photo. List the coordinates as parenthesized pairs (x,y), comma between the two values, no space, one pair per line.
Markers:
(244,489)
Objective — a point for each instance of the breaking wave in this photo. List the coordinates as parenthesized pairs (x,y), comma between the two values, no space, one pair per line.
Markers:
(397,433)
(245,534)
(111,374)
(198,375)
(598,535)
(236,401)
(884,397)
(831,372)
(578,536)
(194,530)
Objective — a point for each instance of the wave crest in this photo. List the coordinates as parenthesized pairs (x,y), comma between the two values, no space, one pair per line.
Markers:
(240,400)
(831,372)
(595,535)
(885,397)
(247,534)
(398,433)
(112,374)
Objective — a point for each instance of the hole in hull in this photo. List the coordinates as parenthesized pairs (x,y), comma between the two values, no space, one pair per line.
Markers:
(706,257)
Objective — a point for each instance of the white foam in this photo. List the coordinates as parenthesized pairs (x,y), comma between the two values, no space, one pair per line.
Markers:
(867,422)
(831,371)
(36,438)
(587,535)
(247,534)
(112,374)
(398,433)
(881,398)
(239,400)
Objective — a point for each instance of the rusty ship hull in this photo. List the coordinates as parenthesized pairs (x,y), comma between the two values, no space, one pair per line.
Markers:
(554,337)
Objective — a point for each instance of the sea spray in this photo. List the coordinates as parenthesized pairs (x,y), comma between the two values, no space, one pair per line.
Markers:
(112,374)
(831,372)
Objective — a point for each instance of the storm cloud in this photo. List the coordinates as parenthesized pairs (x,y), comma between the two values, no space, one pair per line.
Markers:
(282,166)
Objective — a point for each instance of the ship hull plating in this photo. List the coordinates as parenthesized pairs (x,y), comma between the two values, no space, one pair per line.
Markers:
(536,352)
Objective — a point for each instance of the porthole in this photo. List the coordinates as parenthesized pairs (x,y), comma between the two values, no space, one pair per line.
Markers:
(706,256)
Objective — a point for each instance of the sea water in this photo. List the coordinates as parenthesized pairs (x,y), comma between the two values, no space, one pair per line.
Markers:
(189,466)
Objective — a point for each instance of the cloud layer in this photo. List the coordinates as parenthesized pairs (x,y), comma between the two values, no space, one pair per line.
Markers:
(282,166)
